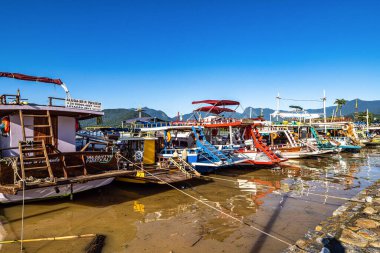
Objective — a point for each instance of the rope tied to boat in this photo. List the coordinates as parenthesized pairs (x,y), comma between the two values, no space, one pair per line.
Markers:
(22,215)
(210,206)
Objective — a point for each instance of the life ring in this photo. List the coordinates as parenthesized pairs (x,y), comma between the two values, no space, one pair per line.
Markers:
(345,127)
(139,155)
(273,135)
(5,125)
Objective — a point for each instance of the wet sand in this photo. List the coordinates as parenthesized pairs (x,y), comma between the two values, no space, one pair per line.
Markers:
(156,218)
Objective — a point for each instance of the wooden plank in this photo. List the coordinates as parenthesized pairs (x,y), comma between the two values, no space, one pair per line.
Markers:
(31,150)
(84,165)
(35,116)
(74,166)
(40,137)
(21,155)
(51,128)
(42,126)
(34,158)
(36,168)
(63,160)
(47,161)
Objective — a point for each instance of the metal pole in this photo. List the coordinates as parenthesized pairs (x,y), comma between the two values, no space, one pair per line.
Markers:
(324,110)
(278,104)
(367,121)
(230,128)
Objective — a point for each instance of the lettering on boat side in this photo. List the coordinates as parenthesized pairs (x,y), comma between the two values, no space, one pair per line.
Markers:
(83,104)
(42,161)
(99,159)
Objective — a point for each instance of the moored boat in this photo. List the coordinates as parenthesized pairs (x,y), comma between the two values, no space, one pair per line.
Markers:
(38,152)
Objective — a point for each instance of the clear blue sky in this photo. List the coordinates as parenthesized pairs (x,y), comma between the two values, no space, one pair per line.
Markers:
(165,54)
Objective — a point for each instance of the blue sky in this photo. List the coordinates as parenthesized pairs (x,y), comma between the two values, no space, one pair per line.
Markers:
(165,54)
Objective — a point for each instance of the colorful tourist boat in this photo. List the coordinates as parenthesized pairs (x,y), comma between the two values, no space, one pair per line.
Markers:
(237,137)
(38,156)
(286,140)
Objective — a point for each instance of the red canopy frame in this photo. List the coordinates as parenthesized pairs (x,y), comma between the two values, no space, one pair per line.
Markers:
(216,102)
(36,79)
(214,109)
(31,78)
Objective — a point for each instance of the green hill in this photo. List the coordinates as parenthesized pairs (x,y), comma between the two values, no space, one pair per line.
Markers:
(113,117)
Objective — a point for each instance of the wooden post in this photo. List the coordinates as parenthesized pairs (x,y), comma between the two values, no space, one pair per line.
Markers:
(47,161)
(51,128)
(84,166)
(22,125)
(63,159)
(21,160)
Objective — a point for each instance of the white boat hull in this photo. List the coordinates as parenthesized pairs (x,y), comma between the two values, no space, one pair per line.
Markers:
(54,191)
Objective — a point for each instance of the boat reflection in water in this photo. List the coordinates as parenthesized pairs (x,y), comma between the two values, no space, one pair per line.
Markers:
(159,217)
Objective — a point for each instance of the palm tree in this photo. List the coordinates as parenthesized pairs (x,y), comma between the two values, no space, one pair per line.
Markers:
(339,104)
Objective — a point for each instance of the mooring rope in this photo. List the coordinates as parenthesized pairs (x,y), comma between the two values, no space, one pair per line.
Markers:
(222,179)
(22,215)
(212,207)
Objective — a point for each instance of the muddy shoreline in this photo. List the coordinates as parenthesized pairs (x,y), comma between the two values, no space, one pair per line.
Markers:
(353,227)
(156,218)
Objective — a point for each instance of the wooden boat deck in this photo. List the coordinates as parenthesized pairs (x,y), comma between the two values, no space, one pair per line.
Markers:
(159,176)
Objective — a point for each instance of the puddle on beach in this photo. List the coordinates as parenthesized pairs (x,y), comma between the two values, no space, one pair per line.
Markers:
(155,218)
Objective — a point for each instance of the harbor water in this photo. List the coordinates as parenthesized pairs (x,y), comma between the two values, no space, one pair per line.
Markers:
(285,202)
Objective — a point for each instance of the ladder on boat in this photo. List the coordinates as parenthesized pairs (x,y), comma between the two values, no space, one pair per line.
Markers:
(82,166)
(208,148)
(183,166)
(47,125)
(310,146)
(257,139)
(291,139)
(34,156)
(321,145)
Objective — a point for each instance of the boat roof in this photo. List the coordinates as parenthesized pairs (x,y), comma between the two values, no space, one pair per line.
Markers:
(165,128)
(214,109)
(78,108)
(54,110)
(216,102)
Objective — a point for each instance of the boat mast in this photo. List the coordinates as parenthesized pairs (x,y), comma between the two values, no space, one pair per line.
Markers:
(367,121)
(278,104)
(324,110)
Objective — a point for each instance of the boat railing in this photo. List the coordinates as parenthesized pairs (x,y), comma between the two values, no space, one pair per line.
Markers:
(90,133)
(51,101)
(16,99)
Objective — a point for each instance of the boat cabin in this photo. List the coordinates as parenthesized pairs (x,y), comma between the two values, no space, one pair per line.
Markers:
(38,147)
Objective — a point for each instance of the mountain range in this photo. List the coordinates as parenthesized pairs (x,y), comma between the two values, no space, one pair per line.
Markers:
(113,117)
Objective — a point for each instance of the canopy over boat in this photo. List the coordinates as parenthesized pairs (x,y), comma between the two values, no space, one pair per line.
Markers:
(216,102)
(304,115)
(214,109)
